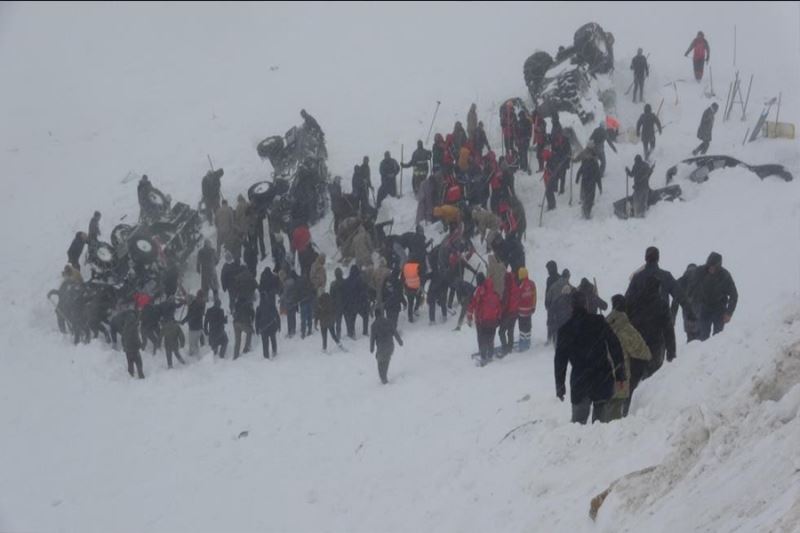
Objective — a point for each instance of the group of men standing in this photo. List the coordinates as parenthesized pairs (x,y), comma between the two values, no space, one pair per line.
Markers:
(610,357)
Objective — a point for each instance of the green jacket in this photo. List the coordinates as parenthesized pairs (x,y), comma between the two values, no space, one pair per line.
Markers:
(633,346)
(173,337)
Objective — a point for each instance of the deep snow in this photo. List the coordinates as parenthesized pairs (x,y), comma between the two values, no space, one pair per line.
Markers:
(93,92)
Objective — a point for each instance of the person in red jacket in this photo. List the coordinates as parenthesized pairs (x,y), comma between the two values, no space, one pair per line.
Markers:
(508,123)
(484,310)
(527,306)
(510,314)
(701,55)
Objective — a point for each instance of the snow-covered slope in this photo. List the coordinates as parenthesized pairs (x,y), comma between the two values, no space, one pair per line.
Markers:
(93,92)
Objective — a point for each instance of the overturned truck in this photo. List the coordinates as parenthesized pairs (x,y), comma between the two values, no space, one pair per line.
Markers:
(297,192)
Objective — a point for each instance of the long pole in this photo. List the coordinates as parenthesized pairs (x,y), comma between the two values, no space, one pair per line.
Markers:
(627,201)
(734,45)
(747,99)
(402,161)
(432,121)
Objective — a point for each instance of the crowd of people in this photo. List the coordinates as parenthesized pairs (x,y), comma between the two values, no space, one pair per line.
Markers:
(462,184)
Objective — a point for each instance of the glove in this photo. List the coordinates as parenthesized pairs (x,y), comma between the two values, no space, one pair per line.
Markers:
(561,391)
(670,356)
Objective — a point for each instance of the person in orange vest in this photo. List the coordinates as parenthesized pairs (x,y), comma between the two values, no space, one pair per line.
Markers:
(701,55)
(411,282)
(484,310)
(527,306)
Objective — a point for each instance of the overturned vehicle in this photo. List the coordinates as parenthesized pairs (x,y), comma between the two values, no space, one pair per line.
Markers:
(297,192)
(138,254)
(623,207)
(697,169)
(575,81)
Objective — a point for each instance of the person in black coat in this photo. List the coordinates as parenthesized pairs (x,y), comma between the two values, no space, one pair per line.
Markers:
(338,297)
(600,137)
(585,342)
(650,315)
(590,172)
(268,323)
(269,285)
(717,296)
(688,284)
(76,249)
(362,184)
(151,326)
(250,256)
(243,318)
(705,128)
(393,296)
(640,71)
(382,336)
(646,130)
(194,318)
(419,160)
(227,277)
(509,251)
(214,327)
(669,287)
(524,130)
(641,185)
(170,278)
(211,186)
(355,301)
(388,170)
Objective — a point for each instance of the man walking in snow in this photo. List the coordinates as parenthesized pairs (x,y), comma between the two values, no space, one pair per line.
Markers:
(382,335)
(640,71)
(587,343)
(485,310)
(701,55)
(591,172)
(388,170)
(646,130)
(704,130)
(717,296)
(641,185)
(600,137)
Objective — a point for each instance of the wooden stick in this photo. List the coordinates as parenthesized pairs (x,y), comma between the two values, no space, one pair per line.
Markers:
(747,100)
(401,169)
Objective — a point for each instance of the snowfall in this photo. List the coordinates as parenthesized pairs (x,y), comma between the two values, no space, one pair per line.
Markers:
(92,94)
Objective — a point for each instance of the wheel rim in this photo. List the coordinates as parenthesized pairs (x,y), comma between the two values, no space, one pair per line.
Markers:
(144,246)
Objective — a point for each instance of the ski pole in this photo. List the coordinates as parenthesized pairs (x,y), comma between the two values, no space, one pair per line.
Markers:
(210,163)
(428,137)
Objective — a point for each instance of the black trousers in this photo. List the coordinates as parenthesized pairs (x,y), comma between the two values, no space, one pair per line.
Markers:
(707,325)
(485,341)
(334,336)
(699,64)
(523,145)
(337,324)
(266,340)
(219,344)
(638,85)
(291,321)
(638,370)
(177,355)
(702,148)
(439,298)
(580,411)
(383,369)
(550,192)
(152,336)
(507,333)
(648,145)
(411,296)
(135,359)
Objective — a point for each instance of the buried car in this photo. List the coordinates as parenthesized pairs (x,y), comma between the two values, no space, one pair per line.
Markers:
(697,169)
(623,207)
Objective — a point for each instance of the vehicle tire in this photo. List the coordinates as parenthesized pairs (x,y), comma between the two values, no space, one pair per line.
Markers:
(120,234)
(260,191)
(270,147)
(102,256)
(142,250)
(536,67)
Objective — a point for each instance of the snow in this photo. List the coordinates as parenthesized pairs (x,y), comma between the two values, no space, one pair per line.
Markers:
(92,93)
